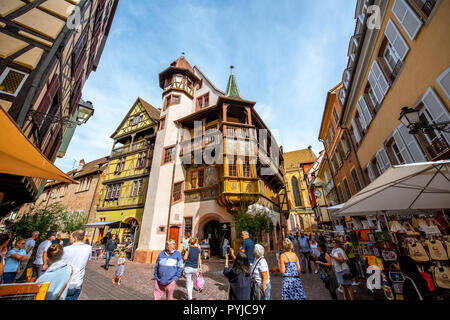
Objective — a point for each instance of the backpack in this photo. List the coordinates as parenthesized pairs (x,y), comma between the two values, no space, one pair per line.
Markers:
(257,292)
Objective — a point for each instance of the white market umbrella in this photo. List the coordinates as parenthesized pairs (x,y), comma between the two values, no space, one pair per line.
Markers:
(402,189)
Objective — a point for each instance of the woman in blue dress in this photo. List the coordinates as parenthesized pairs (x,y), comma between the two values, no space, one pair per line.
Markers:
(291,285)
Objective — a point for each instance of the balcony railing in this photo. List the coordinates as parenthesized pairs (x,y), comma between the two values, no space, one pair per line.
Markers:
(438,147)
(189,89)
(125,149)
(202,194)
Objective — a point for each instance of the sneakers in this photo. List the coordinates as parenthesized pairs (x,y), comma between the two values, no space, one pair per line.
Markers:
(316,271)
(340,290)
(356,283)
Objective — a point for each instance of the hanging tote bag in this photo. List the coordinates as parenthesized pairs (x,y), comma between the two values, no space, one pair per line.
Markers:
(257,292)
(441,277)
(417,252)
(436,250)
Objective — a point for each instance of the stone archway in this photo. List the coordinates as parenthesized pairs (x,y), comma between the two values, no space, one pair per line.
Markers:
(211,227)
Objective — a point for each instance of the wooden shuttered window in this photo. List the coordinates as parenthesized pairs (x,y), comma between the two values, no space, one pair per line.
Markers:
(396,40)
(409,20)
(365,116)
(407,145)
(378,82)
(437,110)
(356,131)
(383,161)
(444,82)
(371,172)
(47,101)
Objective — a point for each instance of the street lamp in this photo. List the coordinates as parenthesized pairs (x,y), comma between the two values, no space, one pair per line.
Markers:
(411,119)
(85,111)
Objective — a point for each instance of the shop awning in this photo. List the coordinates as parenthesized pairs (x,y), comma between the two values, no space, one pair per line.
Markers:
(112,224)
(401,189)
(19,157)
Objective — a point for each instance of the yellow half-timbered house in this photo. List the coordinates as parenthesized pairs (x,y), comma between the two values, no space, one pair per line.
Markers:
(125,184)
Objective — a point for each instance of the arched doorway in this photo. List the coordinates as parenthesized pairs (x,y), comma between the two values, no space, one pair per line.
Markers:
(211,231)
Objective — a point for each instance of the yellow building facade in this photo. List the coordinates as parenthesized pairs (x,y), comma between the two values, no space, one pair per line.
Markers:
(296,165)
(124,187)
(405,63)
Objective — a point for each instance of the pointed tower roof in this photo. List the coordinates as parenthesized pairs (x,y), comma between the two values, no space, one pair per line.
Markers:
(181,65)
(232,87)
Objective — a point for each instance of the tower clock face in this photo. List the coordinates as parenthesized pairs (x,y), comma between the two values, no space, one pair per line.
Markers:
(317,193)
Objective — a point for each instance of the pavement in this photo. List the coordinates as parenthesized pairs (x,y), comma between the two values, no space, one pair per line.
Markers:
(138,283)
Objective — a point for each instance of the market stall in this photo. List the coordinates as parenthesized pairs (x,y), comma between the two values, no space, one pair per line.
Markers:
(404,212)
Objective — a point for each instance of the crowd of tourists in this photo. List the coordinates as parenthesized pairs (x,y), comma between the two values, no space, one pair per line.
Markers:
(62,267)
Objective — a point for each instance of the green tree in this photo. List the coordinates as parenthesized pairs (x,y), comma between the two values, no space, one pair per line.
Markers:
(254,224)
(53,218)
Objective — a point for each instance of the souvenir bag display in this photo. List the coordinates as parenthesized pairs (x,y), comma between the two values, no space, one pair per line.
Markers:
(418,222)
(417,252)
(447,244)
(436,250)
(387,251)
(396,227)
(441,276)
(409,229)
(388,293)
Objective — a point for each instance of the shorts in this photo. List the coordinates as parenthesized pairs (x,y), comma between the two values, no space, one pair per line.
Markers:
(341,280)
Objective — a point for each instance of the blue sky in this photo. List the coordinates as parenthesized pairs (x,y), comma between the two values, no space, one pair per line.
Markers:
(287,55)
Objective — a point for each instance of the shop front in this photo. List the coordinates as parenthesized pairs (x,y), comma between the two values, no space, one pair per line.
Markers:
(405,212)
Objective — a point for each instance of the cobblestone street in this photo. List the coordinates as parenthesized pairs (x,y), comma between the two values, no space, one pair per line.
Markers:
(138,283)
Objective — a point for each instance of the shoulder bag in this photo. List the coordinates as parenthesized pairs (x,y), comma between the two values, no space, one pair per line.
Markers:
(257,292)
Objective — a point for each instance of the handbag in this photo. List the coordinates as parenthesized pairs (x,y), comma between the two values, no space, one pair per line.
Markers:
(199,282)
(323,275)
(257,292)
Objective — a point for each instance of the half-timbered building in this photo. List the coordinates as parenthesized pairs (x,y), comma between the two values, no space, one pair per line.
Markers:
(48,48)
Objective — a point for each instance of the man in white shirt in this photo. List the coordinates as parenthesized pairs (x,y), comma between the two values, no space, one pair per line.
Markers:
(29,245)
(77,255)
(40,264)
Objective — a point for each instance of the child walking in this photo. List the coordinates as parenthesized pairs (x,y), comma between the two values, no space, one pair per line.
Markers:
(120,269)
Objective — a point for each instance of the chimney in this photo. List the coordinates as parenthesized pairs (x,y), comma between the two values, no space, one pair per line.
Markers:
(81,165)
